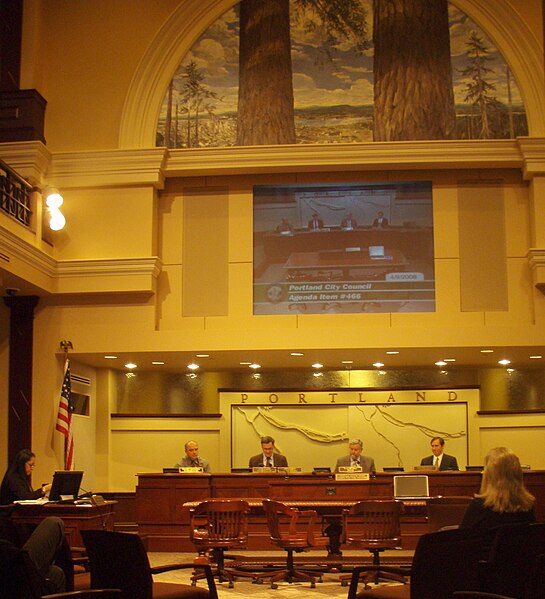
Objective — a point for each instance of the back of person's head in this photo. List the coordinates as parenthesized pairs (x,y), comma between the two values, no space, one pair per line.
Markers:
(502,487)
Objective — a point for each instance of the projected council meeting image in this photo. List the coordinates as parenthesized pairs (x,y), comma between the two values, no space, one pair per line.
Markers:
(343,248)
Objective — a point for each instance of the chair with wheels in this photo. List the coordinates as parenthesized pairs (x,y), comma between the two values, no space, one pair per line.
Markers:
(294,531)
(374,525)
(119,560)
(217,525)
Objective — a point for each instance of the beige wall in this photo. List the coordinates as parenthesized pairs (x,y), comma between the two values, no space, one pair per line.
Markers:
(119,277)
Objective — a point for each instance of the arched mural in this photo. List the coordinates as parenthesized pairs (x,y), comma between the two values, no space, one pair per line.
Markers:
(307,72)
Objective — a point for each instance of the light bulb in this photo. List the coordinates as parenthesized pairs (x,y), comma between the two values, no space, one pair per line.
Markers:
(57,220)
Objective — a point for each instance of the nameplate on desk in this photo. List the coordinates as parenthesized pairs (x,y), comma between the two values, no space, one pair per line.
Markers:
(183,470)
(258,469)
(352,476)
(289,469)
(350,469)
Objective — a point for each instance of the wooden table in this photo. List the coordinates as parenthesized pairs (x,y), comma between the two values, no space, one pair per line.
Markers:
(75,517)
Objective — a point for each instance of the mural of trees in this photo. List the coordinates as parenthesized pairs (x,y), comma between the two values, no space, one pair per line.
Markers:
(306,71)
(413,75)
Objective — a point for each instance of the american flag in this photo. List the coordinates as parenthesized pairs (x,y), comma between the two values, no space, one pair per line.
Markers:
(64,418)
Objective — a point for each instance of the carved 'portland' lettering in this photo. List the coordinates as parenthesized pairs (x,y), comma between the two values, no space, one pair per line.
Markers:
(420,396)
(361,397)
(273,398)
(243,397)
(452,396)
(391,398)
(333,395)
(302,398)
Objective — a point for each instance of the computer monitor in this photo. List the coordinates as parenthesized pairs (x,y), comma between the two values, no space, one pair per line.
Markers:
(411,487)
(65,485)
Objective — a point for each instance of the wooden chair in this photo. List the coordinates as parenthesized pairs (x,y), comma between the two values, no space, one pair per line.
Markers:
(218,525)
(446,511)
(119,560)
(294,531)
(444,562)
(374,525)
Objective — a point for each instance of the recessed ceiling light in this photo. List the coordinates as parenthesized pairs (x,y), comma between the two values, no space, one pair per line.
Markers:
(110,357)
(536,357)
(487,351)
(202,355)
(245,363)
(449,359)
(297,353)
(504,362)
(157,363)
(441,363)
(392,353)
(317,365)
(255,366)
(347,362)
(378,364)
(193,366)
(130,366)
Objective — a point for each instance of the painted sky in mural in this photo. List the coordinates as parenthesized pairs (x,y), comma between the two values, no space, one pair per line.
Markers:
(333,93)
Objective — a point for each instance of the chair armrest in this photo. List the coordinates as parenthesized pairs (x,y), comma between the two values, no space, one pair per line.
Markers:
(353,590)
(207,572)
(87,594)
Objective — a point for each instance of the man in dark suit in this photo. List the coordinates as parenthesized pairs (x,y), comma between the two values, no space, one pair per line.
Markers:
(440,460)
(315,223)
(268,458)
(381,221)
(354,458)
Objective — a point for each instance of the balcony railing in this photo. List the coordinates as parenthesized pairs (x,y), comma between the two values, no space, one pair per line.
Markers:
(14,195)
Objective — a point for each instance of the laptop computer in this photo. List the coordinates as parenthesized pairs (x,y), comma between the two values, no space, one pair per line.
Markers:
(411,487)
(376,252)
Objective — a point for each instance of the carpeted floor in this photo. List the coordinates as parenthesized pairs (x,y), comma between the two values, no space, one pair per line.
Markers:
(330,587)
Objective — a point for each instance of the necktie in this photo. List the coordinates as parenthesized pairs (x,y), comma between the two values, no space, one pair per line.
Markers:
(268,463)
(195,463)
(436,462)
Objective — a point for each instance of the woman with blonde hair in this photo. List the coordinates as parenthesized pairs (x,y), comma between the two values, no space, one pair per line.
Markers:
(503,498)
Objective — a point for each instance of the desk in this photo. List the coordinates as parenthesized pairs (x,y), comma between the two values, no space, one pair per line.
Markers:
(326,263)
(75,518)
(164,521)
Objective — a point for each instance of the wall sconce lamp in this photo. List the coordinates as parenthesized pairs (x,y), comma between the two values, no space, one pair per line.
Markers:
(53,201)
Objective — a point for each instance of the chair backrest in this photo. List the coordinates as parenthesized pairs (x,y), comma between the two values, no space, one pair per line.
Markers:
(288,526)
(446,511)
(220,523)
(118,560)
(373,520)
(510,566)
(19,576)
(446,561)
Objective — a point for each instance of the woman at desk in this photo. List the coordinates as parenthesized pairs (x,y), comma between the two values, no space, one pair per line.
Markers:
(16,484)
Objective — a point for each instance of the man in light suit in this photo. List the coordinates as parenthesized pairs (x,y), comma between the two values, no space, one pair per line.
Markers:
(268,458)
(192,459)
(355,458)
(439,459)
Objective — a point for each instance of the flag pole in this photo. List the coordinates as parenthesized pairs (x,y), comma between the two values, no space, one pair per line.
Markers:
(64,414)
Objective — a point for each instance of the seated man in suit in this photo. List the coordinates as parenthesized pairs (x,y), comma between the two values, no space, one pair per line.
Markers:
(439,459)
(354,458)
(192,459)
(381,221)
(315,223)
(349,222)
(268,458)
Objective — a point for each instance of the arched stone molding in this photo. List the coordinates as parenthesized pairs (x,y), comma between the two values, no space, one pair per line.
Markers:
(152,77)
(142,106)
